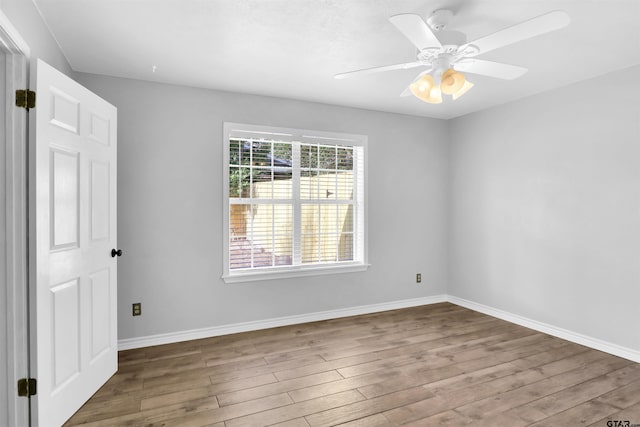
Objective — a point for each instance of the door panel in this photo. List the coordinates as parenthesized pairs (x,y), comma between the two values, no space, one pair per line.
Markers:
(73,305)
(65,203)
(99,129)
(65,332)
(100,288)
(65,110)
(99,197)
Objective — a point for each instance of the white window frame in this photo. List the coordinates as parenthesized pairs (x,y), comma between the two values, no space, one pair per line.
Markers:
(240,130)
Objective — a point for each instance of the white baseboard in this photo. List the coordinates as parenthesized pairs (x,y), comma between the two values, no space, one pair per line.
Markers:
(617,350)
(194,334)
(565,334)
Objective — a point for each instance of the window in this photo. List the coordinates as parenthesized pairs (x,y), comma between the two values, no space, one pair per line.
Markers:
(294,202)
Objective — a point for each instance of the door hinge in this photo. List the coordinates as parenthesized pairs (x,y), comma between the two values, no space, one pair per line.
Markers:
(25,98)
(27,387)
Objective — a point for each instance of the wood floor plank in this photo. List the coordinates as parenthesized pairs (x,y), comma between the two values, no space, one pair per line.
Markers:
(479,373)
(409,378)
(367,407)
(631,414)
(185,409)
(210,416)
(484,392)
(449,418)
(439,364)
(326,366)
(521,350)
(119,384)
(578,394)
(118,406)
(242,384)
(341,385)
(381,364)
(174,397)
(297,410)
(485,408)
(376,420)
(177,382)
(277,387)
(583,414)
(221,375)
(297,422)
(147,416)
(623,397)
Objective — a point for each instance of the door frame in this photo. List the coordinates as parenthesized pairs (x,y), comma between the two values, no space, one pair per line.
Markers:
(15,170)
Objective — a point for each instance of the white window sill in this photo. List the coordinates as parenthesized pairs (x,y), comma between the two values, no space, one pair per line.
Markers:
(271,274)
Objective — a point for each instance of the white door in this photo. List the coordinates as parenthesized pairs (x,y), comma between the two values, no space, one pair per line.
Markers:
(73,218)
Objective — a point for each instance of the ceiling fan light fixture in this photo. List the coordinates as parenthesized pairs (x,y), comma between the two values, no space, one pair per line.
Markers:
(423,85)
(425,90)
(464,89)
(452,81)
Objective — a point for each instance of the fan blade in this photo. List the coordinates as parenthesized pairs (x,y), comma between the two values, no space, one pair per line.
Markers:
(416,30)
(533,27)
(489,68)
(407,91)
(379,69)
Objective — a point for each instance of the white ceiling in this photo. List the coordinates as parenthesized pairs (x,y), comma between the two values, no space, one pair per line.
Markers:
(292,48)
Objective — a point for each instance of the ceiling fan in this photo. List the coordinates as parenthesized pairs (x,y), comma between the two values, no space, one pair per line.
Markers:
(447,54)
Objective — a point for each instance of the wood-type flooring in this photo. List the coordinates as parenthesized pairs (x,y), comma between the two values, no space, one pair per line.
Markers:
(432,365)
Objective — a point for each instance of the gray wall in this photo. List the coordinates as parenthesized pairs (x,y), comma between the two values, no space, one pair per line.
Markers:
(546,207)
(170,208)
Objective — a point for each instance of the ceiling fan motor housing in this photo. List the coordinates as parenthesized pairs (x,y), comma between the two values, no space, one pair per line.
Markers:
(441,58)
(442,63)
(439,19)
(452,38)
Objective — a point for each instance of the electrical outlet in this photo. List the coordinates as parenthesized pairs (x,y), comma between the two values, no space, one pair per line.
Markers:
(137,308)
(419,278)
